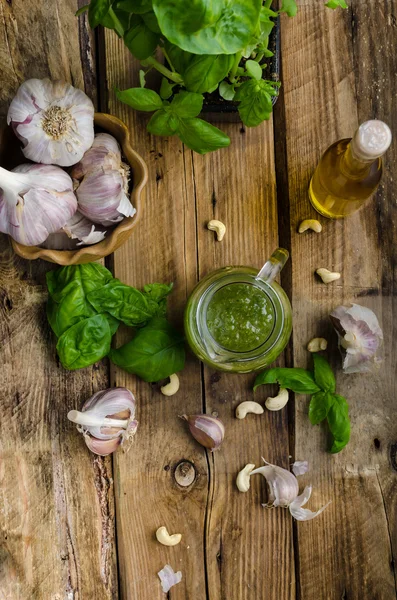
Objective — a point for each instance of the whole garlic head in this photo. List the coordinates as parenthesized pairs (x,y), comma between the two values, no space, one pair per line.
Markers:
(35,201)
(360,338)
(54,120)
(101,183)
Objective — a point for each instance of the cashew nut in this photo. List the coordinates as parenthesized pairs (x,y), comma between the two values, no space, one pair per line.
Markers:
(279,401)
(243,478)
(166,539)
(327,276)
(317,344)
(310,224)
(248,407)
(219,228)
(172,387)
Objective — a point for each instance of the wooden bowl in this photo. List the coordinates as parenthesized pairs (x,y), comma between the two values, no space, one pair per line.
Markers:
(123,230)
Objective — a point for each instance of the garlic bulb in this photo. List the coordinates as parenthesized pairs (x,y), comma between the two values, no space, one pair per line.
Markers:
(101,182)
(54,120)
(106,420)
(206,430)
(360,338)
(283,490)
(35,201)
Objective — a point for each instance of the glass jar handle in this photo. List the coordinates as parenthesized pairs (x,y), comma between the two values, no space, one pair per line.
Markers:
(273,266)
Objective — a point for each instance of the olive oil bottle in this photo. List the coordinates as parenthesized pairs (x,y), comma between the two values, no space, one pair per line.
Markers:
(350,171)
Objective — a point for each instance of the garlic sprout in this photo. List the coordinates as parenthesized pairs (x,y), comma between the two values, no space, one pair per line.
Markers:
(35,201)
(101,183)
(360,338)
(106,420)
(283,490)
(54,120)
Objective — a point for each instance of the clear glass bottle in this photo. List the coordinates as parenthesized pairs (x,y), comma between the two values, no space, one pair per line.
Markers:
(350,171)
(239,320)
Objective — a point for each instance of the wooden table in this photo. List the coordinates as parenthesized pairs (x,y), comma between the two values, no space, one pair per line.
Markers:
(78,527)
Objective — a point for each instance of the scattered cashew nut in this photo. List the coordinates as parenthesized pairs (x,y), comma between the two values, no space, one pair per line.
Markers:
(327,276)
(310,224)
(243,478)
(172,387)
(279,401)
(166,539)
(219,228)
(317,344)
(248,407)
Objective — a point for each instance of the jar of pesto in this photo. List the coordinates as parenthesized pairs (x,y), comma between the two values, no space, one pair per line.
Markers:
(239,320)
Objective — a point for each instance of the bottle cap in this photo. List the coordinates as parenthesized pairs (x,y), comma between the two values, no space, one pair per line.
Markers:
(371,140)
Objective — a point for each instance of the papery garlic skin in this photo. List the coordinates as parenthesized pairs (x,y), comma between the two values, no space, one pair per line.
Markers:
(35,201)
(106,420)
(101,182)
(304,514)
(360,338)
(283,486)
(78,231)
(54,120)
(300,467)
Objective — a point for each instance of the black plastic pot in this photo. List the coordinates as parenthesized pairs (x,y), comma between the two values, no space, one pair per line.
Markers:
(216,108)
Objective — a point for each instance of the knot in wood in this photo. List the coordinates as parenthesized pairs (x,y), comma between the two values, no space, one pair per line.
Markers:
(185,473)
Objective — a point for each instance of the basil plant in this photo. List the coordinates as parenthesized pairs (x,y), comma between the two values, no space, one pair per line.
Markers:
(198,46)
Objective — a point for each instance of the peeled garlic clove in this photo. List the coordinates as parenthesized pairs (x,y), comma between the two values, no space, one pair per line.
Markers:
(206,430)
(102,197)
(108,416)
(54,120)
(35,201)
(283,486)
(360,338)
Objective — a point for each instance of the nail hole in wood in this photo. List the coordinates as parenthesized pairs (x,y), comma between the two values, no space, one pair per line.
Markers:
(377,443)
(185,473)
(393,456)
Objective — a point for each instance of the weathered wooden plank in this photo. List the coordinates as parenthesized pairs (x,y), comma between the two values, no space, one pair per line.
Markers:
(249,549)
(335,73)
(57,509)
(163,248)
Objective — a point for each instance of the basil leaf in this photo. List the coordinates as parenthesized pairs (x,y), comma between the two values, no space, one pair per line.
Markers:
(151,22)
(339,423)
(319,407)
(140,99)
(297,380)
(208,27)
(139,39)
(178,57)
(68,288)
(200,136)
(81,10)
(85,343)
(123,302)
(187,104)
(254,69)
(156,295)
(97,11)
(206,71)
(336,4)
(155,353)
(323,374)
(255,99)
(226,90)
(117,20)
(289,7)
(162,122)
(166,88)
(135,6)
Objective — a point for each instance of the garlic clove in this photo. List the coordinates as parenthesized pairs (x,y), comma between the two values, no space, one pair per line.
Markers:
(360,338)
(54,120)
(283,486)
(207,430)
(35,201)
(102,447)
(104,154)
(304,514)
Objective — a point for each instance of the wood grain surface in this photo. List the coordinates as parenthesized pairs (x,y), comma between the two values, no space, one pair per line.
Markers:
(58,502)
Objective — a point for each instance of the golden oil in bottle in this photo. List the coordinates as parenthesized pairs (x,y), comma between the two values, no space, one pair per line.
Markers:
(350,171)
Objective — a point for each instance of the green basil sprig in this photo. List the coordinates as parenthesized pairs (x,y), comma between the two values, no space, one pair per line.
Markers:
(324,404)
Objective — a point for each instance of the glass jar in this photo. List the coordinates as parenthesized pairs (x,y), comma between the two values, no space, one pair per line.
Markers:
(239,320)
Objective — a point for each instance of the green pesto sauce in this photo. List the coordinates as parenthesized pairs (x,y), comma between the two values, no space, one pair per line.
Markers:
(240,317)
